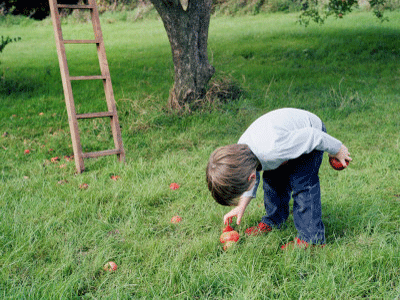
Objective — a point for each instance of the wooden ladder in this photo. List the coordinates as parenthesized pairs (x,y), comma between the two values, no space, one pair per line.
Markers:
(67,86)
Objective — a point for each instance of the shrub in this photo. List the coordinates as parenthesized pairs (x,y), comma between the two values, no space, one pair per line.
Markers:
(6,41)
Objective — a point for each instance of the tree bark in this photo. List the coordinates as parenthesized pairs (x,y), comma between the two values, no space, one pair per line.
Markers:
(187,32)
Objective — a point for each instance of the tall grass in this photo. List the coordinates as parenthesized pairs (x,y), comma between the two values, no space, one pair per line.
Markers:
(55,237)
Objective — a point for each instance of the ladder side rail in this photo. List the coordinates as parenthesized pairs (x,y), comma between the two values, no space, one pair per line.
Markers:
(67,87)
(115,127)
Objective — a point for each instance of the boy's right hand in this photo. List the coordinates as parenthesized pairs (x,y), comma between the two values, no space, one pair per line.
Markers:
(238,211)
(343,155)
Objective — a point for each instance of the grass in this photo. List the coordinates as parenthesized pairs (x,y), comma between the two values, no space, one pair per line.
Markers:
(55,237)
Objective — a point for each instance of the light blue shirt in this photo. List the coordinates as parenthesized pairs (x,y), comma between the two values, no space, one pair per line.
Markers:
(286,134)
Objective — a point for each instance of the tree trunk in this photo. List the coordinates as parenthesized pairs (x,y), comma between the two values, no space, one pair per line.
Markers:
(187,30)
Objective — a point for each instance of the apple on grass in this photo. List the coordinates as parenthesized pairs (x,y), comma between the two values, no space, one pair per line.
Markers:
(228,245)
(83,186)
(229,238)
(174,186)
(176,219)
(54,159)
(115,177)
(227,229)
(110,266)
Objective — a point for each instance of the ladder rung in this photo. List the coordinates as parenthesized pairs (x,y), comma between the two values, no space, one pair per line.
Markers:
(95,115)
(80,42)
(74,6)
(88,77)
(101,153)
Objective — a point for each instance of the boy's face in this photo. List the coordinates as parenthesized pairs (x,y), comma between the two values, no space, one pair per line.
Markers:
(252,178)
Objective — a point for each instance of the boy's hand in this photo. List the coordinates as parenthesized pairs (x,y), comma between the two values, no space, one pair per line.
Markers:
(238,211)
(343,155)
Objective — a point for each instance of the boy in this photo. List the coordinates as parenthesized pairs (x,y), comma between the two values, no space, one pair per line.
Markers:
(287,145)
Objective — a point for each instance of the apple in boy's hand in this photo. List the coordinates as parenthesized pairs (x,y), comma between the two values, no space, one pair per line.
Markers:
(336,164)
(110,266)
(229,236)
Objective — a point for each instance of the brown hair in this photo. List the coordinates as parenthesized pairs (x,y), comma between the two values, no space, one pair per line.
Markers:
(228,171)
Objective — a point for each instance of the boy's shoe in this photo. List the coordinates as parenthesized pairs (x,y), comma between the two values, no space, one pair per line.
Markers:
(298,244)
(256,230)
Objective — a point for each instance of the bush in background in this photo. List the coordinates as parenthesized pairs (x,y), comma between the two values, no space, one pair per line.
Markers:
(6,41)
(316,10)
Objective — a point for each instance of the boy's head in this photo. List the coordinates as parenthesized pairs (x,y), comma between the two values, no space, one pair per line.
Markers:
(228,172)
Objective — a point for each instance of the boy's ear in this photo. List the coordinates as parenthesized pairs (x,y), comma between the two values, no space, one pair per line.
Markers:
(252,176)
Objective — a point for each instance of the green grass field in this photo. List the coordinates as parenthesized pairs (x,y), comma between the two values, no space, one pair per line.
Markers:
(55,237)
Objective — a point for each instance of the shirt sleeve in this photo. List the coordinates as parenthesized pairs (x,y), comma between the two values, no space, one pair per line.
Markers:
(253,192)
(305,140)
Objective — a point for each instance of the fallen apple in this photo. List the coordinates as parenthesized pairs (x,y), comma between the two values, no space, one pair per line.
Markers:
(227,229)
(27,151)
(174,186)
(83,186)
(176,219)
(110,266)
(228,245)
(336,164)
(54,159)
(69,158)
(114,177)
(229,236)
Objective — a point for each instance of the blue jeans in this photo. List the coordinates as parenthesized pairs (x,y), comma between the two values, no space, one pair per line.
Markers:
(298,179)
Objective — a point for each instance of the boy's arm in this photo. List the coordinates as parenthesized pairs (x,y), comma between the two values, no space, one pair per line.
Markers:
(305,140)
(238,211)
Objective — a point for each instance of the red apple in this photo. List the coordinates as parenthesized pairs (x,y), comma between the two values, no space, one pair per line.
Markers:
(228,245)
(336,164)
(68,158)
(176,219)
(27,151)
(83,186)
(110,266)
(174,186)
(54,159)
(227,229)
(229,236)
(114,177)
